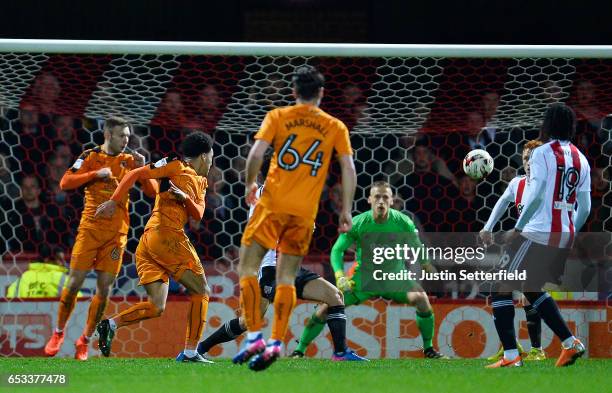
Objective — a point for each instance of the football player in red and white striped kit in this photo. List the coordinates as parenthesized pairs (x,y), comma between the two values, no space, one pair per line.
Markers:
(555,207)
(514,194)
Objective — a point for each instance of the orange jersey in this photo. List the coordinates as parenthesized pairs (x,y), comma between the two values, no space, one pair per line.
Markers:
(100,190)
(169,213)
(304,138)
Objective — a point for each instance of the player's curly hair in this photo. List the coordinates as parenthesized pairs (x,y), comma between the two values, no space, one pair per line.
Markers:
(559,122)
(195,144)
(307,81)
(532,144)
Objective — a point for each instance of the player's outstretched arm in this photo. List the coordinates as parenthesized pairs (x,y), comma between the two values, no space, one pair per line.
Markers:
(194,209)
(498,210)
(342,244)
(253,166)
(72,180)
(107,208)
(337,260)
(149,186)
(349,182)
(80,173)
(129,180)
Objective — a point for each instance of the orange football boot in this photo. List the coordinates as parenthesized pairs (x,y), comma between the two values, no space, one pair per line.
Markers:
(82,349)
(54,344)
(516,362)
(570,355)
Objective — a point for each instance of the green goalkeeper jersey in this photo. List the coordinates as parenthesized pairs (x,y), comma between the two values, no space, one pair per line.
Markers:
(364,223)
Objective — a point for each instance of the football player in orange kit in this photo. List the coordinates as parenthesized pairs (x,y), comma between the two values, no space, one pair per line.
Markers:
(164,249)
(100,242)
(304,138)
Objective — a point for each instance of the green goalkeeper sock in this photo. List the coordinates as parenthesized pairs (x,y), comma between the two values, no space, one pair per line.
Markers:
(311,331)
(425,322)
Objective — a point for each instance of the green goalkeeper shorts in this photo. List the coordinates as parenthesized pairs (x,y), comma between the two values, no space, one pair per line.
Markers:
(357,296)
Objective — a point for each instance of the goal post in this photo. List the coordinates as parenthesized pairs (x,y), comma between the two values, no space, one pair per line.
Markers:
(413,112)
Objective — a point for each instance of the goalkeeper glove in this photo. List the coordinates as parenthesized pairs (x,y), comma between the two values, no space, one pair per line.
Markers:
(344,284)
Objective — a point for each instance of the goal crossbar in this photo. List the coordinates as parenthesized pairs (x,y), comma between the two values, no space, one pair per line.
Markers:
(303,49)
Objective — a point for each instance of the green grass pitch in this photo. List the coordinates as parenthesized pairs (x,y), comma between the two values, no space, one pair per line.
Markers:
(311,376)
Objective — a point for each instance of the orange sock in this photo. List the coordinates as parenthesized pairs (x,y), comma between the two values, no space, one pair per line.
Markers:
(284,302)
(136,313)
(250,300)
(66,305)
(196,320)
(96,310)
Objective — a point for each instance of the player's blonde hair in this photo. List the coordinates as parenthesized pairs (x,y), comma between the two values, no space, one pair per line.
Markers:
(532,144)
(381,184)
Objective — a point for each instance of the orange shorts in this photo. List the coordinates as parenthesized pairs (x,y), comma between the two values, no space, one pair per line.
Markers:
(98,250)
(161,254)
(290,234)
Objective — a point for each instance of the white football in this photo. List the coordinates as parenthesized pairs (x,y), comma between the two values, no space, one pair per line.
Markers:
(478,164)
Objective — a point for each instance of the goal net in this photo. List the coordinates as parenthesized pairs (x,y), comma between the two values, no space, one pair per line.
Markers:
(413,114)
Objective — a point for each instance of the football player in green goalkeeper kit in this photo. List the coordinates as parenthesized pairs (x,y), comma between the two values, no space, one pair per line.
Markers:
(382,219)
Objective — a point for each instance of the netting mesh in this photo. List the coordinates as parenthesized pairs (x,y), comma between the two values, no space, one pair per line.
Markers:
(412,121)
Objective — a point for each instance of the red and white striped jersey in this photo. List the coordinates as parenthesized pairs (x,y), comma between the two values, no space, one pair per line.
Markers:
(516,188)
(564,171)
(512,194)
